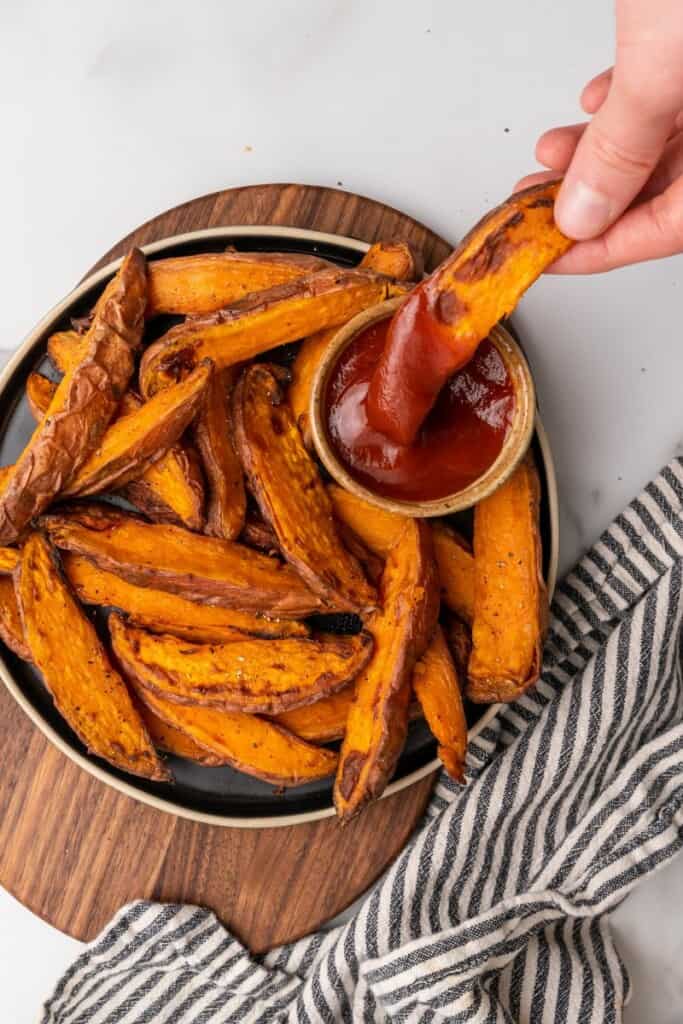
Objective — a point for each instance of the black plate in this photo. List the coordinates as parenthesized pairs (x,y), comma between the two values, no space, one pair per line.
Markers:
(222,792)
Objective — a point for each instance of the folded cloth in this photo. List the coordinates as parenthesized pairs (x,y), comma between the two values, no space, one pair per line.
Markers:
(497,910)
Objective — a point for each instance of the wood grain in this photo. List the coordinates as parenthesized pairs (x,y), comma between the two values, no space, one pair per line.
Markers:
(74,850)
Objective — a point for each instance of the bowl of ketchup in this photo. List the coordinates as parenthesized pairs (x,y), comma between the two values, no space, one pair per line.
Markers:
(476,433)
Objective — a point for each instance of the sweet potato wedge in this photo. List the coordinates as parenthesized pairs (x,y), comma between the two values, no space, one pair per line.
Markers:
(204,569)
(11,628)
(321,722)
(40,391)
(83,404)
(379,531)
(171,740)
(437,688)
(140,437)
(197,285)
(401,630)
(161,612)
(86,689)
(66,349)
(440,325)
(395,259)
(260,322)
(227,500)
(510,598)
(170,490)
(9,559)
(251,745)
(290,493)
(456,569)
(257,676)
(258,534)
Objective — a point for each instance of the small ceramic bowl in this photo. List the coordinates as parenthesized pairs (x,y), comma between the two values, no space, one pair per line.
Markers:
(514,447)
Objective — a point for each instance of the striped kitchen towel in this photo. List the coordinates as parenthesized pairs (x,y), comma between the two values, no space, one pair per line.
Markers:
(498,909)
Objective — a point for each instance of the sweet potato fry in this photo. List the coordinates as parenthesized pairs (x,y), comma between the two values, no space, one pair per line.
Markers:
(82,406)
(510,599)
(170,490)
(171,740)
(197,285)
(290,493)
(440,325)
(86,689)
(258,534)
(321,722)
(395,259)
(11,628)
(379,531)
(251,745)
(9,559)
(456,569)
(141,436)
(204,569)
(437,688)
(40,391)
(260,322)
(401,631)
(259,676)
(161,612)
(227,502)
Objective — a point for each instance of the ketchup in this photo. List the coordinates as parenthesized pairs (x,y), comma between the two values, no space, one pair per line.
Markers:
(418,358)
(460,438)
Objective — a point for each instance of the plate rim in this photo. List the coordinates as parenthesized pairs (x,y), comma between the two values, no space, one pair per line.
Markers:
(166,806)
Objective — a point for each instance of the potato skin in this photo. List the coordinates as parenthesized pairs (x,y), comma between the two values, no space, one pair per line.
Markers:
(201,284)
(87,691)
(83,404)
(260,322)
(227,499)
(510,599)
(142,436)
(394,259)
(401,629)
(161,612)
(290,493)
(169,558)
(249,744)
(249,675)
(437,688)
(440,325)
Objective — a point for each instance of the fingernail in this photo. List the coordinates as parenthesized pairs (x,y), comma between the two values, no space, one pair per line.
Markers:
(581,211)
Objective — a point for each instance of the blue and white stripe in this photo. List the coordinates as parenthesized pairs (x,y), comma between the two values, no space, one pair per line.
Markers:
(498,910)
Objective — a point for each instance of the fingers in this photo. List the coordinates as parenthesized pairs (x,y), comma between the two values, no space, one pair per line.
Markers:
(614,158)
(649,231)
(556,147)
(595,93)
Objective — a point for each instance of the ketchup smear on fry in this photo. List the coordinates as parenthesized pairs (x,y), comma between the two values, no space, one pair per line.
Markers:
(460,438)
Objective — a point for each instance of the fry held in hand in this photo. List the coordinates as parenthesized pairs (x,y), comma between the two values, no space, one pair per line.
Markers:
(290,493)
(510,599)
(401,630)
(441,323)
(87,691)
(258,676)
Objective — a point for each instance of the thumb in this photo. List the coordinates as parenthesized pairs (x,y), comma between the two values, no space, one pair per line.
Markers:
(615,157)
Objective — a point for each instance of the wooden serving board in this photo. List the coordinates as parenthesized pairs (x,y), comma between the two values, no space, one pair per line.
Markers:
(74,850)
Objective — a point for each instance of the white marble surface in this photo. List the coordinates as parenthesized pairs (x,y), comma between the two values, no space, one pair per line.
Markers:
(112,112)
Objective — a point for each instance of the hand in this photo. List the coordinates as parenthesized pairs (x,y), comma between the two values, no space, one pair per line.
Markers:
(622,195)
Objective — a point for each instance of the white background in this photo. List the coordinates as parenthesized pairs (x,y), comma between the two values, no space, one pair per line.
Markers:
(109,113)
